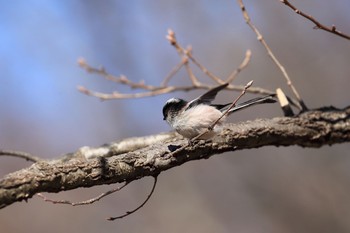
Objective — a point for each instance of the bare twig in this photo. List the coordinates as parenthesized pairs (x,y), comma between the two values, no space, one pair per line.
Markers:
(99,197)
(87,202)
(245,62)
(191,75)
(188,52)
(118,95)
(140,206)
(166,80)
(318,25)
(164,90)
(20,154)
(153,90)
(204,69)
(150,90)
(272,56)
(122,79)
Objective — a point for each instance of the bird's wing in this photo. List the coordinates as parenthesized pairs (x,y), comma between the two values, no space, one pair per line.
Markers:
(207,97)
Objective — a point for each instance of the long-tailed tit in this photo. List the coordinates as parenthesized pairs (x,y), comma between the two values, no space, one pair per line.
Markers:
(192,118)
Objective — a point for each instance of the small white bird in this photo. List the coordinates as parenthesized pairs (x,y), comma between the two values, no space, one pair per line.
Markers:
(193,118)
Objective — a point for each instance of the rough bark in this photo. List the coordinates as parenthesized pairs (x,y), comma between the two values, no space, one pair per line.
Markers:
(134,158)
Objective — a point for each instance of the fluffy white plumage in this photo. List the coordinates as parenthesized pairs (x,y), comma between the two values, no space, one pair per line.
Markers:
(193,118)
(196,120)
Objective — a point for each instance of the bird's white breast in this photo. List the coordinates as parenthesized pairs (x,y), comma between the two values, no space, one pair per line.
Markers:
(196,120)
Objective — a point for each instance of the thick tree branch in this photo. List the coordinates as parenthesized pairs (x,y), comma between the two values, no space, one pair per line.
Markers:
(316,128)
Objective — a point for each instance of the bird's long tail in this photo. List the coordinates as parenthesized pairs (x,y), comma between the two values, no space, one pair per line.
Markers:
(258,100)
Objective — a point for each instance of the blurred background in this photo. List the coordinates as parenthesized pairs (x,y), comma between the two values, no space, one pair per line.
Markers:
(265,190)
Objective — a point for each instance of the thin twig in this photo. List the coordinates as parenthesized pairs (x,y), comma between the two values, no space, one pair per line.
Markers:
(193,78)
(272,56)
(245,62)
(318,25)
(183,54)
(188,52)
(165,90)
(117,95)
(140,206)
(203,68)
(122,79)
(150,90)
(87,202)
(20,154)
(174,71)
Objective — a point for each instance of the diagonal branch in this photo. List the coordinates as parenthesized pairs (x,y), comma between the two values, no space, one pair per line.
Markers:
(316,128)
(188,53)
(245,62)
(140,206)
(271,54)
(318,25)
